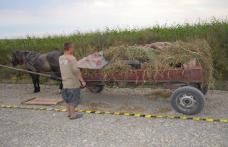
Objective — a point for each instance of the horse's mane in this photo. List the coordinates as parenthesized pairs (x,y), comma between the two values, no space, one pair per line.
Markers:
(30,56)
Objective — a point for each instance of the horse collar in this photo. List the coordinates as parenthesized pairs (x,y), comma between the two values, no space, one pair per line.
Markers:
(22,61)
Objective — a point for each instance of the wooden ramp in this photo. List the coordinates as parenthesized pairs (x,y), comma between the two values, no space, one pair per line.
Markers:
(43,101)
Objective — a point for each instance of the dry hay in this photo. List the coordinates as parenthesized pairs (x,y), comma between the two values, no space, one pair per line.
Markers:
(161,56)
(118,65)
(160,46)
(187,53)
(140,53)
(119,55)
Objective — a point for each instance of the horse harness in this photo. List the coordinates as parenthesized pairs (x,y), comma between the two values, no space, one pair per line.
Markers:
(30,58)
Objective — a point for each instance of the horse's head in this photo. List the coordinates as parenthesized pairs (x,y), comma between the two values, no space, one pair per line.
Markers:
(18,58)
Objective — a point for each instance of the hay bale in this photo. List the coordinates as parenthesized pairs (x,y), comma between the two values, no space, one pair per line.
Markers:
(162,56)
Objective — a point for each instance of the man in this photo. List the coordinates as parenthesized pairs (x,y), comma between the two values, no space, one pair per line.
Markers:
(72,80)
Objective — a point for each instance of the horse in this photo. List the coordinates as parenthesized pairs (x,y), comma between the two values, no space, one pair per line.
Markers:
(41,63)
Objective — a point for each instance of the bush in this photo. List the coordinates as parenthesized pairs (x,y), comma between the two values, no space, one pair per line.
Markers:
(214,32)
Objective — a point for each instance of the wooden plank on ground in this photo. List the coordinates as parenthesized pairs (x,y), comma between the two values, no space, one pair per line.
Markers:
(43,101)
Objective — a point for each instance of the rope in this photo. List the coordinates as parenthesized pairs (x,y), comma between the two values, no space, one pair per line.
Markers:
(27,71)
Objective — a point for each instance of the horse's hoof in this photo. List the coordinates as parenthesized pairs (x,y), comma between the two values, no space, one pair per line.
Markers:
(37,90)
(60,91)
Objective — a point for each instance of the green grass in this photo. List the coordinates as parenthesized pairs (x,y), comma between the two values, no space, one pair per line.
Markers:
(214,32)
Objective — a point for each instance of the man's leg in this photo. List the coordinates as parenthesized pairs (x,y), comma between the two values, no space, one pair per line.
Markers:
(68,109)
(75,101)
(72,111)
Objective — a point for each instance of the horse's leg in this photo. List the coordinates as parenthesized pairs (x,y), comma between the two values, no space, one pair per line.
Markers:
(34,80)
(60,87)
(38,82)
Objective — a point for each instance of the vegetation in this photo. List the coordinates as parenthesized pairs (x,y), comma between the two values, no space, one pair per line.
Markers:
(214,32)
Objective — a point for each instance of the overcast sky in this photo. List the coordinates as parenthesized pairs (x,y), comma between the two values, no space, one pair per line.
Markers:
(19,18)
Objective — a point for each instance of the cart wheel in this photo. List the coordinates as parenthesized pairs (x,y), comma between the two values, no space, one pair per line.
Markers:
(95,88)
(187,100)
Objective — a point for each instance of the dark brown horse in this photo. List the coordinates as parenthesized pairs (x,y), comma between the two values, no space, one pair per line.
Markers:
(41,63)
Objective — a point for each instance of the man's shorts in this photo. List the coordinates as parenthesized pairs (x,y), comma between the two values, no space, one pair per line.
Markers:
(71,96)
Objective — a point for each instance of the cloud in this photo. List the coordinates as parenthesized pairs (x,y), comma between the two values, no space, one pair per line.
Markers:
(86,15)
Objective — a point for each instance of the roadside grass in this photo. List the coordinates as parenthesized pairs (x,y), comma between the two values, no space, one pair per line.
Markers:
(214,32)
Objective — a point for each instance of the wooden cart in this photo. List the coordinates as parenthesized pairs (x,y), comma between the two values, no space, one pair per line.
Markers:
(187,97)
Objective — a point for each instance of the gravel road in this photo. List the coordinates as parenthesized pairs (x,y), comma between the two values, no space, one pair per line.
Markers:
(46,128)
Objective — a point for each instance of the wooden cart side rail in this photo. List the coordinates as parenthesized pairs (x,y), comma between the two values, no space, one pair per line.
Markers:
(182,75)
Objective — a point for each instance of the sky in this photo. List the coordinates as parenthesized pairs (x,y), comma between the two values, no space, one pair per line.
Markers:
(19,18)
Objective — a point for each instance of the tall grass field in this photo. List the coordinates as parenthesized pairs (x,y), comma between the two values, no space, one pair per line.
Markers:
(214,32)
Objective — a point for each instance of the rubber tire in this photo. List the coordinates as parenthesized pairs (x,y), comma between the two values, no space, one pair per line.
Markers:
(198,95)
(95,88)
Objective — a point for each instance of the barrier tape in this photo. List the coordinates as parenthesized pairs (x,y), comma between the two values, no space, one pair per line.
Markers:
(222,120)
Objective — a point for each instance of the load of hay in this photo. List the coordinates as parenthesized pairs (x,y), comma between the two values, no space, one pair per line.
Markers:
(161,56)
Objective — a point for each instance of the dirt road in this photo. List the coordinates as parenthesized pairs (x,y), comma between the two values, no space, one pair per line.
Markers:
(117,99)
(46,128)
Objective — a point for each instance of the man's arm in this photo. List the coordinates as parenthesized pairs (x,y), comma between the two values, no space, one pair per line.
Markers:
(79,76)
(77,72)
